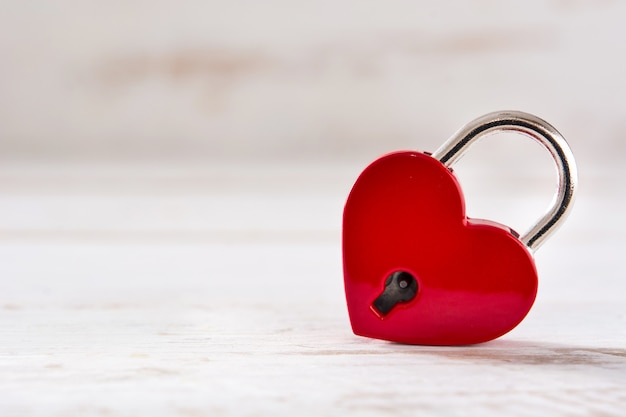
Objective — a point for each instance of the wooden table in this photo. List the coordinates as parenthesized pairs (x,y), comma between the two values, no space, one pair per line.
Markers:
(191,291)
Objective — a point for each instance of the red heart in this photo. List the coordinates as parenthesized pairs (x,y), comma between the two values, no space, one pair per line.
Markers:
(476,279)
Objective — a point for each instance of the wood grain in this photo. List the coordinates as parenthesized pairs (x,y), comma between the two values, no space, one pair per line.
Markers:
(157,298)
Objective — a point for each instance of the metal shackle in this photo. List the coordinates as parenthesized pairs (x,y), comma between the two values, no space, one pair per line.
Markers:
(539,130)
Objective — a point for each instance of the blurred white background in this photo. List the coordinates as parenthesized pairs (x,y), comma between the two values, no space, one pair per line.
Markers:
(165,159)
(284,80)
(214,86)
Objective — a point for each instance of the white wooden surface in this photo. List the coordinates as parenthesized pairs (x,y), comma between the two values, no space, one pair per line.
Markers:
(139,290)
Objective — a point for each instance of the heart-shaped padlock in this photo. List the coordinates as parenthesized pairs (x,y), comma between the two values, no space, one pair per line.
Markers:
(417,269)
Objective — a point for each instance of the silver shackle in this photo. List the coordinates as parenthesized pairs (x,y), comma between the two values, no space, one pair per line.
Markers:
(541,131)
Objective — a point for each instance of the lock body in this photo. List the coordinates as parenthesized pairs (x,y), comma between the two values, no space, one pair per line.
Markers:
(405,217)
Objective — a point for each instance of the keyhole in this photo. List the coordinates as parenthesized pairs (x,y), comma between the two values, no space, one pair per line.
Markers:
(400,287)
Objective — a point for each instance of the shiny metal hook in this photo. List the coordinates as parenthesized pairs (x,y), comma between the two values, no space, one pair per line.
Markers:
(544,133)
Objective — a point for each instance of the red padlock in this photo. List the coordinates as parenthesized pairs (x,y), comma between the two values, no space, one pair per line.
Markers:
(417,270)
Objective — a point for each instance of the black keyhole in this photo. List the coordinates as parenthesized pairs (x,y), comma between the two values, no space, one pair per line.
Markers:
(400,287)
